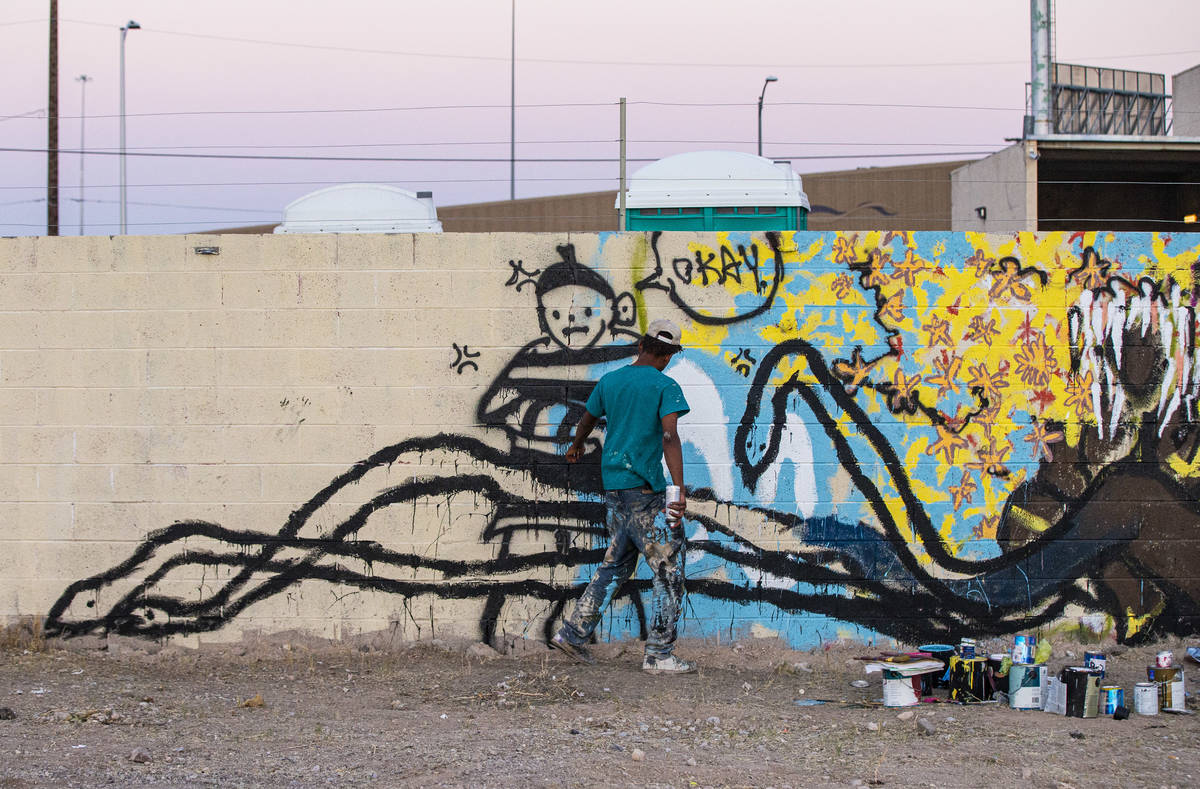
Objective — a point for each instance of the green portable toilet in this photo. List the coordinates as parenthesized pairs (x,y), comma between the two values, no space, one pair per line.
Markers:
(715,190)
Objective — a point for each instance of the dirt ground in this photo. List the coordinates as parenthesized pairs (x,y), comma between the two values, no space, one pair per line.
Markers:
(284,712)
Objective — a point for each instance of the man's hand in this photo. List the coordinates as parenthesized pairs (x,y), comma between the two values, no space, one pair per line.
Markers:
(675,512)
(582,431)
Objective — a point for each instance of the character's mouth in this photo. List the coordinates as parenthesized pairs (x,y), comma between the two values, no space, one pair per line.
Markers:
(567,332)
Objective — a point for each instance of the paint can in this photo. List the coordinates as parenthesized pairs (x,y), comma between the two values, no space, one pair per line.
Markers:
(1178,694)
(1097,661)
(1111,697)
(997,674)
(1170,687)
(1026,686)
(674,493)
(1020,643)
(1083,691)
(941,652)
(898,690)
(1164,659)
(968,679)
(1145,698)
(1027,651)
(966,648)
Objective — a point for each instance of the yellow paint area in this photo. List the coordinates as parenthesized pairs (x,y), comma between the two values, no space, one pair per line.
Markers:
(1027,520)
(1134,623)
(1183,468)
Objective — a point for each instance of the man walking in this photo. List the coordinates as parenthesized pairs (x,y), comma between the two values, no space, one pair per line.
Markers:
(641,406)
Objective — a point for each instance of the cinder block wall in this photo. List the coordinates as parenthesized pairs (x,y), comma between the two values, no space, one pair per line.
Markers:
(909,435)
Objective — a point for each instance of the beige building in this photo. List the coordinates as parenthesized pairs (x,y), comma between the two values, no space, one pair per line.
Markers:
(910,197)
(1108,162)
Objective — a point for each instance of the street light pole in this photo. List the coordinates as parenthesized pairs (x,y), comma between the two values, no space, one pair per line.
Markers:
(130,25)
(766,82)
(52,128)
(83,80)
(512,144)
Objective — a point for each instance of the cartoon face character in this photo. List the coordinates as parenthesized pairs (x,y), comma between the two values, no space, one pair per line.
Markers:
(576,316)
(577,306)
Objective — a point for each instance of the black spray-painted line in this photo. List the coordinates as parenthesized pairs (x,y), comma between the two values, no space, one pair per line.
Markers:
(653,282)
(918,517)
(928,610)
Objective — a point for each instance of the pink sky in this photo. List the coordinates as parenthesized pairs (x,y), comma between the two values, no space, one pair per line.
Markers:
(960,65)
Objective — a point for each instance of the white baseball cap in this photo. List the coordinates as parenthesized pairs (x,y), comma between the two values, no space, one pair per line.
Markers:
(665,331)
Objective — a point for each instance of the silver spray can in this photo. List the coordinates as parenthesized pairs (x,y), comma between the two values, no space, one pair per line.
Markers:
(674,493)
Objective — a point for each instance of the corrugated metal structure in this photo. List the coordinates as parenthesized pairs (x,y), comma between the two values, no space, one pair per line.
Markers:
(1093,100)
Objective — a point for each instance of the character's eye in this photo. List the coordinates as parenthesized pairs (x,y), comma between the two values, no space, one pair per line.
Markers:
(587,312)
(556,315)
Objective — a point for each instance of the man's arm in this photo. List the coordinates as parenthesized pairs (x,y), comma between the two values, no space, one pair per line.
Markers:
(582,431)
(673,454)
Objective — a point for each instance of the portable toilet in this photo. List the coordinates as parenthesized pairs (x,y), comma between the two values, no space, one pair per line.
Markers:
(361,208)
(715,190)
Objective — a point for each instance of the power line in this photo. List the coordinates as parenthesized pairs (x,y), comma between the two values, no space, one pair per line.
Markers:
(461,160)
(357,110)
(590,62)
(857,176)
(38,113)
(561,105)
(322,146)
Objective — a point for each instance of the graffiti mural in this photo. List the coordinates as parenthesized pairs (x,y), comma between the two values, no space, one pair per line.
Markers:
(919,435)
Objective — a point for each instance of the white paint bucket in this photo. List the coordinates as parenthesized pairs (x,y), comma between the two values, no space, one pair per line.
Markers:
(1145,698)
(899,692)
(1026,686)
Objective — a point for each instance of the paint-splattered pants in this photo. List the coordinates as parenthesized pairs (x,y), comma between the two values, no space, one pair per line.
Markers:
(634,527)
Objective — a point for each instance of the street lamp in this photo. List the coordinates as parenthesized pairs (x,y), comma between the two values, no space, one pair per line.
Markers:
(83,80)
(766,82)
(130,25)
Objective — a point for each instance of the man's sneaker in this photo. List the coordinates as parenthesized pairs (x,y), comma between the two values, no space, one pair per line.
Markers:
(667,665)
(579,653)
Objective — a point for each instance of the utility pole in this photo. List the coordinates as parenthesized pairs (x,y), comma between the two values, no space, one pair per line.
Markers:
(512,146)
(83,80)
(52,129)
(130,25)
(621,192)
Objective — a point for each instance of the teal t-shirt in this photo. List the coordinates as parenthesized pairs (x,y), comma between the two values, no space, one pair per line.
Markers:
(634,399)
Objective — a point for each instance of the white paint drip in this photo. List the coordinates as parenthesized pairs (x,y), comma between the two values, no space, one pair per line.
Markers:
(711,445)
(1098,336)
(795,447)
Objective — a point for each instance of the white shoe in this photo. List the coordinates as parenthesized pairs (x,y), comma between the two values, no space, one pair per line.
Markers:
(667,665)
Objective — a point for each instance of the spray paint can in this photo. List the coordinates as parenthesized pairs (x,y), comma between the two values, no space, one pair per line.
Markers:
(674,494)
(1164,659)
(1145,698)
(1096,661)
(966,649)
(1020,649)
